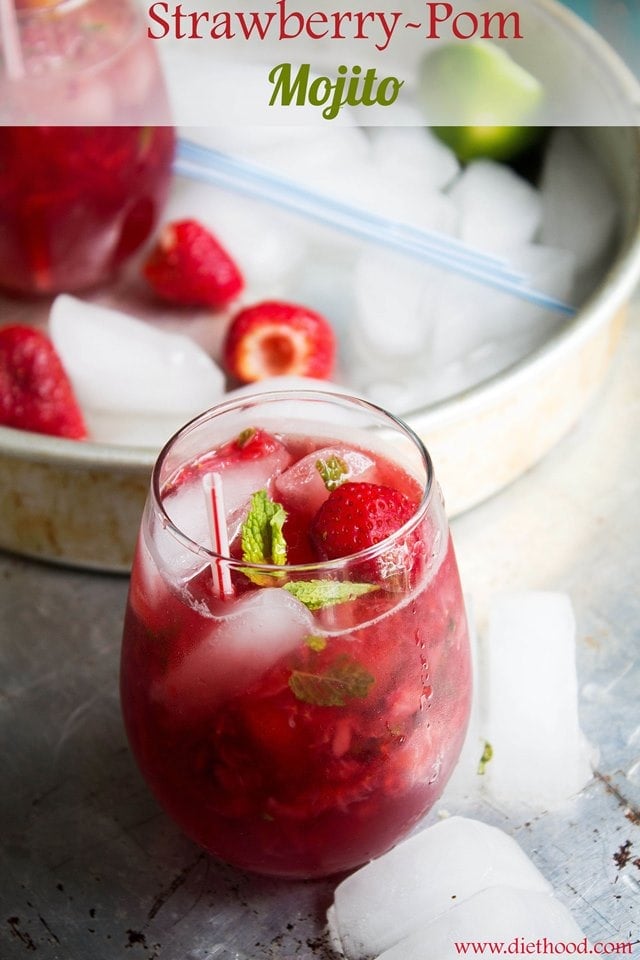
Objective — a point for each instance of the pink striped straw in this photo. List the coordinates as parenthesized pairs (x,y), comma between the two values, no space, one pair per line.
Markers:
(214,499)
(10,40)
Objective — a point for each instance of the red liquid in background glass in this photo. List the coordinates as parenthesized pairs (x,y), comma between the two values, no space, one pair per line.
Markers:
(263,779)
(77,202)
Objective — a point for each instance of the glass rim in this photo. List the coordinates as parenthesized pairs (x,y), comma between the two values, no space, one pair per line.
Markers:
(360,556)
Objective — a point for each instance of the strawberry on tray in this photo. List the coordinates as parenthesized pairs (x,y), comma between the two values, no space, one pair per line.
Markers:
(279,339)
(35,391)
(189,267)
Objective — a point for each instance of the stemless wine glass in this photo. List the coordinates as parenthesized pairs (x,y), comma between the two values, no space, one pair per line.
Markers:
(294,715)
(76,200)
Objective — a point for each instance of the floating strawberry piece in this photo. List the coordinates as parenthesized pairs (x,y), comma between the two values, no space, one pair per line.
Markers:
(356,516)
(189,267)
(279,339)
(252,444)
(35,392)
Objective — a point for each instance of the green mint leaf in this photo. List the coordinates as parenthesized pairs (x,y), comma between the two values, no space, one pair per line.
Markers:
(244,437)
(316,594)
(316,643)
(266,578)
(333,471)
(261,535)
(487,755)
(344,679)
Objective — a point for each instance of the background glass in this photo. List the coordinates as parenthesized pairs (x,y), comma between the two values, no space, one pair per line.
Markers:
(76,201)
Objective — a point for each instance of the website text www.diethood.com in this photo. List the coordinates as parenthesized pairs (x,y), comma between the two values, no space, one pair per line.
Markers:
(544,947)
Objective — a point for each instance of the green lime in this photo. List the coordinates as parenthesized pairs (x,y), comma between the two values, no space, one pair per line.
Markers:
(479,100)
(496,143)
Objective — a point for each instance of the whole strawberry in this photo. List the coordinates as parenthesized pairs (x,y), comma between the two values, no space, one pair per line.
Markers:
(35,392)
(274,338)
(190,268)
(356,516)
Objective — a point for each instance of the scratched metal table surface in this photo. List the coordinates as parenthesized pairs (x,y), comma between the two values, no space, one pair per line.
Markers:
(91,868)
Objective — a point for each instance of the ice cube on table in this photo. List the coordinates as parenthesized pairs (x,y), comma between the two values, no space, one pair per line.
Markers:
(418,880)
(244,641)
(498,209)
(499,915)
(540,756)
(579,208)
(120,364)
(302,486)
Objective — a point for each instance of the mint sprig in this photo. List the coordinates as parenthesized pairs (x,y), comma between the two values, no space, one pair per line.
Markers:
(343,680)
(261,535)
(316,594)
(333,471)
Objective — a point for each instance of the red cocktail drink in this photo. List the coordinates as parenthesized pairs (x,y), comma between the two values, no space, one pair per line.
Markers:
(76,201)
(298,715)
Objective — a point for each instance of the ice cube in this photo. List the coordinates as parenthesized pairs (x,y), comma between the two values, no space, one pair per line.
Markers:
(241,481)
(418,880)
(240,645)
(396,301)
(298,152)
(473,316)
(176,560)
(500,915)
(132,429)
(302,486)
(420,206)
(579,209)
(498,209)
(320,156)
(186,505)
(415,155)
(186,509)
(120,364)
(540,756)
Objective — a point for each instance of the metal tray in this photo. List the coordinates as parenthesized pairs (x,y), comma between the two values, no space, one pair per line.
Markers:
(80,503)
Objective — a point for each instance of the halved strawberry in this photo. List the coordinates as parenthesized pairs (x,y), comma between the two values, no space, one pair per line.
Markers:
(189,267)
(279,339)
(35,391)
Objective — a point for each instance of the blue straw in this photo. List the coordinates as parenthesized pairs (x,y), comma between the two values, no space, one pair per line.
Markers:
(214,167)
